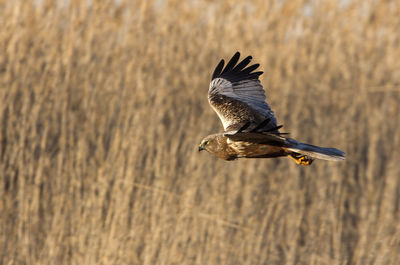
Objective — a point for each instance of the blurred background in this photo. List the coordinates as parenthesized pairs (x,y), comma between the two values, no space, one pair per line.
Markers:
(103,105)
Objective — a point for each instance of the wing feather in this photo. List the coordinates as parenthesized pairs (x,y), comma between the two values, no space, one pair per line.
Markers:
(259,138)
(243,63)
(231,63)
(237,96)
(250,69)
(218,69)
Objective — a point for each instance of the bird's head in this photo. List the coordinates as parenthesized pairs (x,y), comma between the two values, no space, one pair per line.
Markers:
(211,144)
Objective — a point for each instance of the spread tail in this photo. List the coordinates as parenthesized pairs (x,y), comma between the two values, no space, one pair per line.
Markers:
(325,153)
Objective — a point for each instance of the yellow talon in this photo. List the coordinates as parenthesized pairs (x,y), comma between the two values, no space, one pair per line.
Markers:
(302,160)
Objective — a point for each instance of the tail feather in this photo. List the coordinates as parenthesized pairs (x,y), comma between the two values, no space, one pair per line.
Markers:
(318,152)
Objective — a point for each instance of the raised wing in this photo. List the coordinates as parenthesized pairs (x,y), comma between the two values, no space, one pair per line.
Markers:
(238,98)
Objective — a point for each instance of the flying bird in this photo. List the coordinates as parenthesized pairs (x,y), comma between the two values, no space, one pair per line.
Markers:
(250,127)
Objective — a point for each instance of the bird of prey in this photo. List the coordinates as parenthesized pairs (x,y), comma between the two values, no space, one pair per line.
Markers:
(250,127)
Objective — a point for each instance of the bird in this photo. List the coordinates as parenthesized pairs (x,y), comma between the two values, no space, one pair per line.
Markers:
(250,126)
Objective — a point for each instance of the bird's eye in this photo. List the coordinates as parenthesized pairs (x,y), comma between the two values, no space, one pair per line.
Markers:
(207,142)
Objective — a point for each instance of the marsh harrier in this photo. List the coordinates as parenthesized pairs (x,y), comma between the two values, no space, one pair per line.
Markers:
(250,127)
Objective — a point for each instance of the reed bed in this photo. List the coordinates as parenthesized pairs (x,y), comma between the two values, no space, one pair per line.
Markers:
(103,104)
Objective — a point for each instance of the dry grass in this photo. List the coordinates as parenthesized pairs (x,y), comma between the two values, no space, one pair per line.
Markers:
(102,107)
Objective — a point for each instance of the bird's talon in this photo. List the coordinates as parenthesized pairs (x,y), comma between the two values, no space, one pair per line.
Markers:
(302,160)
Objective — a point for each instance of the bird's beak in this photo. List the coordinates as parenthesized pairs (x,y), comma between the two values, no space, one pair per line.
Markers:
(201,148)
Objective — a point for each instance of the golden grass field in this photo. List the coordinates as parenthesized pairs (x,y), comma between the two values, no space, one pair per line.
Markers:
(103,105)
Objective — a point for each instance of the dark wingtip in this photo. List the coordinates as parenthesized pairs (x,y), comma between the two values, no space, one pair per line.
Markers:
(218,69)
(258,73)
(244,127)
(232,62)
(275,128)
(241,71)
(251,68)
(261,125)
(243,64)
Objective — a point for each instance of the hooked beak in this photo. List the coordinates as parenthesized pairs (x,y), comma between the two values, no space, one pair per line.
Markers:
(201,148)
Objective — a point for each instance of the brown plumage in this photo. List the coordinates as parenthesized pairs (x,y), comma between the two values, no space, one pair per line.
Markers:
(222,147)
(250,127)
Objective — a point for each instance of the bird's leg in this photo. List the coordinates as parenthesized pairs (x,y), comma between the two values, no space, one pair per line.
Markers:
(301,159)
